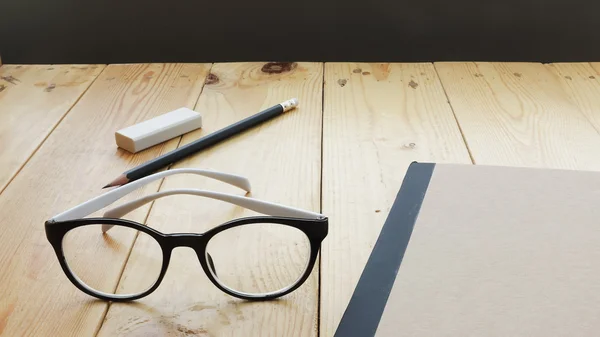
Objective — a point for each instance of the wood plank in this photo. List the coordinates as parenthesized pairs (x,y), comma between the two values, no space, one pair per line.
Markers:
(517,114)
(581,81)
(282,160)
(36,298)
(377,119)
(33,100)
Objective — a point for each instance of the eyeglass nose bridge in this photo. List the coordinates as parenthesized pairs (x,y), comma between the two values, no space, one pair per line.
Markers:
(194,241)
(198,243)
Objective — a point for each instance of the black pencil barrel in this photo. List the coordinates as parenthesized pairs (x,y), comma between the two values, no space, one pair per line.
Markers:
(202,143)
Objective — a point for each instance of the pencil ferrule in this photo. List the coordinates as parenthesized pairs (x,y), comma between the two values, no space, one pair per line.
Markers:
(289,104)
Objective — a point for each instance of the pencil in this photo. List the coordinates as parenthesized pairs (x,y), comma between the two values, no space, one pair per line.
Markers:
(169,158)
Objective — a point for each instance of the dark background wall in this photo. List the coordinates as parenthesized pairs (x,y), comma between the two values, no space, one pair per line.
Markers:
(111,31)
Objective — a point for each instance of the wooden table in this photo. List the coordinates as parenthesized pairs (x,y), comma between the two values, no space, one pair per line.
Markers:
(343,152)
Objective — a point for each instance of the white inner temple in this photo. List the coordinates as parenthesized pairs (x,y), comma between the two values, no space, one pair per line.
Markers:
(108,198)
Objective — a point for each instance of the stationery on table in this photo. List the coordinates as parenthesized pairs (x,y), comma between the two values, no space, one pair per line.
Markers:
(141,136)
(201,144)
(85,246)
(483,251)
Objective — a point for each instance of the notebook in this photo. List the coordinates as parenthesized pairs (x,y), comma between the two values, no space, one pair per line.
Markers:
(470,250)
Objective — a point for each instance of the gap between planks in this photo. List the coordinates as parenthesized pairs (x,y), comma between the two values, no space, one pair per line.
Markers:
(462,133)
(160,184)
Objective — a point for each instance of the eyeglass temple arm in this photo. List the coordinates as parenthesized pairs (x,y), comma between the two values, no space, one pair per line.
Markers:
(256,205)
(108,198)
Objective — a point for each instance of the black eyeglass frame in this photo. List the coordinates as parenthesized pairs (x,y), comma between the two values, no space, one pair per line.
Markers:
(315,230)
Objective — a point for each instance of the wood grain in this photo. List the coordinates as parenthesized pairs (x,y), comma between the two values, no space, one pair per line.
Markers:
(282,160)
(517,114)
(70,167)
(377,119)
(33,100)
(581,81)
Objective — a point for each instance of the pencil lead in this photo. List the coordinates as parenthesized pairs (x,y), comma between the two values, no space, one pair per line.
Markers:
(121,180)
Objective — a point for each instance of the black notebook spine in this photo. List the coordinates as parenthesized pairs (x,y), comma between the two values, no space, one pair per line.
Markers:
(368,301)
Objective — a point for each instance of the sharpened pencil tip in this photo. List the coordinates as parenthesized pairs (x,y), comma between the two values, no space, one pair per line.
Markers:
(121,180)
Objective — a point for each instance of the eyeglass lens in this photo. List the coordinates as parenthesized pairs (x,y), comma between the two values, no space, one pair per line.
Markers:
(97,259)
(259,258)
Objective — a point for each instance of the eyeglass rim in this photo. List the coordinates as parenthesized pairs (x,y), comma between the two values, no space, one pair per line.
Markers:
(315,230)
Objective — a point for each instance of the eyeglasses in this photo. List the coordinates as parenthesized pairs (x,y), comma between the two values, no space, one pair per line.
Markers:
(252,258)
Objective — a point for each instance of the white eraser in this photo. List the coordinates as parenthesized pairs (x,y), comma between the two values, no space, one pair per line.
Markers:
(159,129)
